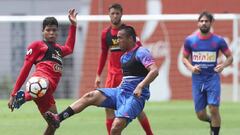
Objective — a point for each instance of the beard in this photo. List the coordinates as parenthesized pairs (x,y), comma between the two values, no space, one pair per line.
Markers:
(117,22)
(204,30)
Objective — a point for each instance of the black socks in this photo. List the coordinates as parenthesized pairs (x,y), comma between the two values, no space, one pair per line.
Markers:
(215,130)
(66,113)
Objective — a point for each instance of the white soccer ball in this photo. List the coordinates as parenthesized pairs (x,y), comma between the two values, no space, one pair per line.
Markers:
(37,86)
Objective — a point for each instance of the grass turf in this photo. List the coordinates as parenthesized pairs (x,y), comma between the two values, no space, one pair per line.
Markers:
(166,118)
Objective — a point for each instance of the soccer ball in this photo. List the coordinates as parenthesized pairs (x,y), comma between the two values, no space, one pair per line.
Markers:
(37,86)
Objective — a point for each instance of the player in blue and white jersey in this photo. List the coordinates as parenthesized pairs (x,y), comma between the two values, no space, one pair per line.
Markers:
(128,99)
(201,51)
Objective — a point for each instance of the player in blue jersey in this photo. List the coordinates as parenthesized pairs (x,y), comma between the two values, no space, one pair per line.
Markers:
(200,54)
(128,100)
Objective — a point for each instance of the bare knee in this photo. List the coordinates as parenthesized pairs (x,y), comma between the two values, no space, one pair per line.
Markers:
(214,111)
(201,115)
(215,115)
(93,98)
(118,125)
(89,97)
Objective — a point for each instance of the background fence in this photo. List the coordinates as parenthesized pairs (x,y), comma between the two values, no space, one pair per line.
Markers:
(163,35)
(160,29)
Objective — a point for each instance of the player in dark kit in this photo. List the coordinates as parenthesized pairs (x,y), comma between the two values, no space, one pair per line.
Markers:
(128,99)
(47,56)
(109,43)
(201,51)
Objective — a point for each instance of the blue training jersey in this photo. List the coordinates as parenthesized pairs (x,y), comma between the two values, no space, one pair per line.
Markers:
(129,83)
(204,51)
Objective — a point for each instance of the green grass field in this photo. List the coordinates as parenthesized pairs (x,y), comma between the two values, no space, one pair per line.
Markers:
(167,118)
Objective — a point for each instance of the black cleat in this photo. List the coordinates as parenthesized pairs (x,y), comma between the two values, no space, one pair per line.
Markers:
(52,119)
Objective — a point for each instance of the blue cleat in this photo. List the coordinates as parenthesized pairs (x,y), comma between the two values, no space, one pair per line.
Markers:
(19,100)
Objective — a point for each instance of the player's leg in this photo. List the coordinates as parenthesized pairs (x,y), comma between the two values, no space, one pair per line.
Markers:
(200,101)
(214,89)
(203,116)
(112,81)
(128,108)
(44,104)
(50,130)
(118,125)
(216,119)
(142,118)
(109,119)
(92,98)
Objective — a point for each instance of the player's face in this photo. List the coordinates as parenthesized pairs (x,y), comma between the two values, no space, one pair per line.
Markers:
(204,25)
(123,40)
(50,33)
(115,16)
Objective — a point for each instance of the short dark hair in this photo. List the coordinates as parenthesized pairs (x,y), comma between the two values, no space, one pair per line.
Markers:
(49,21)
(115,6)
(130,32)
(207,14)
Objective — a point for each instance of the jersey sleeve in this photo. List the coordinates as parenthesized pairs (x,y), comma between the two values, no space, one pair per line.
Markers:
(70,42)
(104,53)
(223,46)
(33,52)
(144,56)
(24,72)
(186,47)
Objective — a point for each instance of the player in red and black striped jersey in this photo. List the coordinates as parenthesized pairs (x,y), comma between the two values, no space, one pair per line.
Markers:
(109,43)
(47,57)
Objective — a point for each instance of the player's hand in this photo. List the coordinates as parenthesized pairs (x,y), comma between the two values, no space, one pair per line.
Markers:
(97,82)
(72,16)
(196,69)
(219,68)
(138,91)
(10,103)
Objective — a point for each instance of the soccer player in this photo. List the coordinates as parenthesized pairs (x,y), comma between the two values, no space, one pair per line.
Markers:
(47,56)
(128,100)
(109,42)
(200,54)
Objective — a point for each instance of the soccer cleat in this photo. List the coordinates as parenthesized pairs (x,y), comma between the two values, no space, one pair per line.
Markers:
(52,119)
(18,100)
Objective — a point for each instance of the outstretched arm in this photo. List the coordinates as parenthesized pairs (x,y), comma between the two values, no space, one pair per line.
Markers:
(70,42)
(72,16)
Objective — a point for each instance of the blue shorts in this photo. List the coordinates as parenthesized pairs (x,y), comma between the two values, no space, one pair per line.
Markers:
(206,91)
(125,104)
